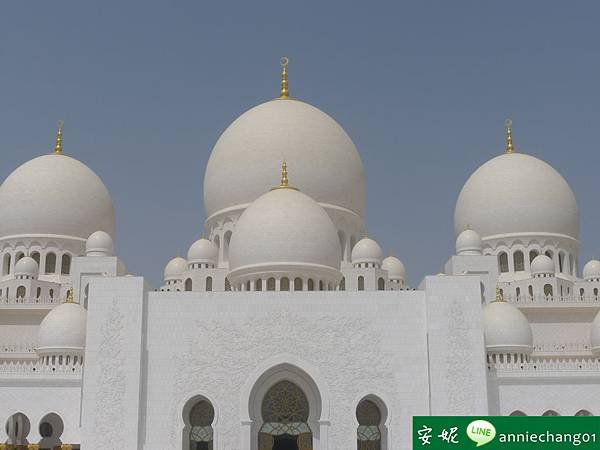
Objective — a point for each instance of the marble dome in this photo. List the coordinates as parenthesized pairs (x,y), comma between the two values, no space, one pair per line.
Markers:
(394,267)
(541,265)
(27,266)
(203,251)
(284,227)
(63,329)
(367,251)
(244,162)
(55,195)
(99,243)
(469,243)
(175,268)
(591,270)
(506,329)
(514,194)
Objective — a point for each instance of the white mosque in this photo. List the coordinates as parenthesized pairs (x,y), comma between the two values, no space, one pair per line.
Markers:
(286,327)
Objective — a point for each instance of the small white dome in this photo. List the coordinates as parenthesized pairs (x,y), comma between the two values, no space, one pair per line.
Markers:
(591,270)
(245,159)
(203,251)
(541,265)
(285,228)
(27,266)
(595,335)
(514,194)
(99,243)
(63,330)
(506,329)
(367,251)
(395,268)
(469,243)
(175,268)
(55,195)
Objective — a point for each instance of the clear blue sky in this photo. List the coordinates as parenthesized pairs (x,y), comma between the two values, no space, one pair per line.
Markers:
(423,88)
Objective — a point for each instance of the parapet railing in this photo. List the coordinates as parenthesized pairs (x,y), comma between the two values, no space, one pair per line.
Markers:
(29,301)
(583,300)
(35,369)
(544,366)
(17,347)
(561,347)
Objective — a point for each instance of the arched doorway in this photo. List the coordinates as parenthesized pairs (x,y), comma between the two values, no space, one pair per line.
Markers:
(285,412)
(201,418)
(369,421)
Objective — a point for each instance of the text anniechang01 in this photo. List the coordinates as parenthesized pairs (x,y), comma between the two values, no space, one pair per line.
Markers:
(575,439)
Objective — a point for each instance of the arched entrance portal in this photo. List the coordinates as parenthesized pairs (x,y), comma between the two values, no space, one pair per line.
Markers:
(285,414)
(369,419)
(201,418)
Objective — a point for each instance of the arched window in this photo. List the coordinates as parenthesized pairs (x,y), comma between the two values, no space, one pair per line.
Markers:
(297,284)
(532,255)
(19,256)
(561,262)
(343,284)
(581,293)
(571,264)
(21,292)
(17,429)
(583,413)
(380,284)
(549,254)
(285,412)
(595,292)
(551,413)
(188,284)
(36,257)
(38,293)
(51,428)
(284,284)
(51,293)
(271,284)
(548,290)
(258,285)
(518,293)
(503,262)
(201,419)
(208,284)
(320,285)
(361,283)
(530,290)
(369,421)
(65,265)
(6,264)
(50,263)
(311,284)
(248,285)
(519,261)
(227,284)
(517,413)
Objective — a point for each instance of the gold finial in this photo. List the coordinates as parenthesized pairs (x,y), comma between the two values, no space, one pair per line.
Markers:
(59,133)
(284,175)
(509,143)
(284,93)
(499,295)
(70,296)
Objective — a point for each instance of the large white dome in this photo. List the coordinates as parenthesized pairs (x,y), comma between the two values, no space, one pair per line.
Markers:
(245,160)
(516,193)
(63,330)
(506,329)
(284,227)
(55,195)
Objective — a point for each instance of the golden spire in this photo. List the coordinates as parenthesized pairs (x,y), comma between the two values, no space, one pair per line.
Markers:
(509,143)
(499,295)
(284,183)
(284,175)
(58,147)
(284,93)
(70,296)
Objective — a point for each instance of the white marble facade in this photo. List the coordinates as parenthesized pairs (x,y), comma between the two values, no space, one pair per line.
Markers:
(287,327)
